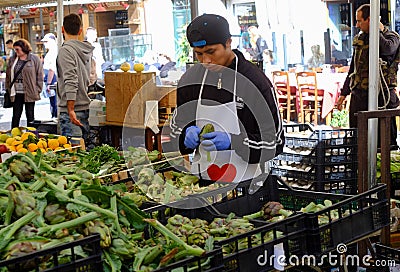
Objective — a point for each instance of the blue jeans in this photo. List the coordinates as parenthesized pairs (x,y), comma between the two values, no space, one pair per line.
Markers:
(71,130)
(53,106)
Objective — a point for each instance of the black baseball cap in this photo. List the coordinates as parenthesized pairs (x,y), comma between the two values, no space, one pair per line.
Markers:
(208,29)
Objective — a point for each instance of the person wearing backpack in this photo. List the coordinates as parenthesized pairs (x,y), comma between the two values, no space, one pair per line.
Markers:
(73,70)
(356,82)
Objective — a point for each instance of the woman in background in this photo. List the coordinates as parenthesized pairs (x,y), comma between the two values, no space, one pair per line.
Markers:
(27,84)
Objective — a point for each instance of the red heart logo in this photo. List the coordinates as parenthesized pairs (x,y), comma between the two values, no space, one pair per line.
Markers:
(226,173)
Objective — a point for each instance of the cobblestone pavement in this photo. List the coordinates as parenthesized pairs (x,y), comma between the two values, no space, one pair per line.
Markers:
(42,112)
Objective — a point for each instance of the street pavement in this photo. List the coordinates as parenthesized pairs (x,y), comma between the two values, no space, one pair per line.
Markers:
(42,112)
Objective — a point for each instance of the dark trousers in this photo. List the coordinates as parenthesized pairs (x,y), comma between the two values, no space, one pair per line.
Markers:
(53,106)
(359,102)
(18,106)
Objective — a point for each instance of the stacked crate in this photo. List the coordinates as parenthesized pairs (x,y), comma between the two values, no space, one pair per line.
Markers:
(320,160)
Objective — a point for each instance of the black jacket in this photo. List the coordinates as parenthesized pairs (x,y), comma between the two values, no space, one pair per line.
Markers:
(261,136)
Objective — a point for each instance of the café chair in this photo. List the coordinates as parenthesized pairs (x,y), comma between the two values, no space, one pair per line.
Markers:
(287,101)
(309,96)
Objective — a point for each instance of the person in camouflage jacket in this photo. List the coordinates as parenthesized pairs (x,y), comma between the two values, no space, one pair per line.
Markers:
(356,82)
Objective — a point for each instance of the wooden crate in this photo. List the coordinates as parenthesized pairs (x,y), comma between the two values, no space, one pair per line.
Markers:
(125,103)
(167,95)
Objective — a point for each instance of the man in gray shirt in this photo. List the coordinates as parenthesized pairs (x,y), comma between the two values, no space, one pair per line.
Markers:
(73,69)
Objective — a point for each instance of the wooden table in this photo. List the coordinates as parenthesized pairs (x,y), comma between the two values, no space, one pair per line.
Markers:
(151,140)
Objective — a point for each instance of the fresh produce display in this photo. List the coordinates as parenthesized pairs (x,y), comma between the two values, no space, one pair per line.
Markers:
(104,159)
(199,232)
(42,206)
(394,163)
(274,211)
(271,210)
(55,197)
(171,186)
(23,140)
(340,118)
(52,198)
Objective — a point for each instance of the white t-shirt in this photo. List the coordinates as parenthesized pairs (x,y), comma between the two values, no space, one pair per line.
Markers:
(49,61)
(98,57)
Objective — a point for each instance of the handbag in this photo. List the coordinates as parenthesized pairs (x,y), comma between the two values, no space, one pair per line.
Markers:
(7,98)
(7,101)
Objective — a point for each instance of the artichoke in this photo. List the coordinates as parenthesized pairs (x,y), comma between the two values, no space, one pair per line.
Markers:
(137,198)
(272,209)
(21,170)
(98,226)
(180,226)
(125,250)
(22,247)
(197,236)
(207,128)
(24,203)
(145,176)
(25,232)
(199,223)
(55,214)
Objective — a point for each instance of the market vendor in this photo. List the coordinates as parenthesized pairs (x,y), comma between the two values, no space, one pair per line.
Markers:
(233,95)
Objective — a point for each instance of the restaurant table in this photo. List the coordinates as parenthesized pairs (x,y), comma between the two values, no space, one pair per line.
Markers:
(330,83)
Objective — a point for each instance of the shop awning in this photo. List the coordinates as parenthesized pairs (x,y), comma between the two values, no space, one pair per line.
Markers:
(4,4)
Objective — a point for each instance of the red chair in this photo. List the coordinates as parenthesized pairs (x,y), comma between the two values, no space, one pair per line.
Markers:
(287,101)
(310,97)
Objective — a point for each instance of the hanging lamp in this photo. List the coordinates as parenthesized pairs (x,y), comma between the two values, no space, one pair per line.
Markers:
(100,8)
(17,19)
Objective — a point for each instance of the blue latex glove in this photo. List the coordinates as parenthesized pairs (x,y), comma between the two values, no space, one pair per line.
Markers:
(217,140)
(192,139)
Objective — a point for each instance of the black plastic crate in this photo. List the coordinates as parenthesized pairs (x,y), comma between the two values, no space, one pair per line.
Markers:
(343,186)
(387,253)
(322,138)
(326,156)
(163,212)
(395,185)
(34,261)
(290,232)
(315,172)
(358,216)
(240,201)
(194,263)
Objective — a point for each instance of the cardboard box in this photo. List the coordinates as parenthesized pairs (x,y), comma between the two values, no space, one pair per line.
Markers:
(126,96)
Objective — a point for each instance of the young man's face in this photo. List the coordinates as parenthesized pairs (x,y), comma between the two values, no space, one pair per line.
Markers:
(362,24)
(9,46)
(214,54)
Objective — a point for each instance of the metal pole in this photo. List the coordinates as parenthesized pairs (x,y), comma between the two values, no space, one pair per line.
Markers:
(373,87)
(60,19)
(194,9)
(285,61)
(41,23)
(302,47)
